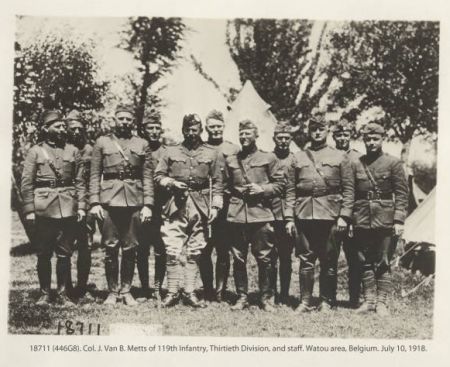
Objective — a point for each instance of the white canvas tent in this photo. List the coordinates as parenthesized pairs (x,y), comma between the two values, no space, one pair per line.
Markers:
(419,226)
(250,105)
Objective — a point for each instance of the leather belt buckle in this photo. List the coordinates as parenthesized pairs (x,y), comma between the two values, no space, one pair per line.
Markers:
(121,175)
(52,184)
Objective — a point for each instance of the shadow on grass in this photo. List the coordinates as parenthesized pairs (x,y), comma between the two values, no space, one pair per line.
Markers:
(24,249)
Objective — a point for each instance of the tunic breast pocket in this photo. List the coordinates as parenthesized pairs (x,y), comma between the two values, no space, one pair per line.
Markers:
(137,157)
(259,171)
(331,170)
(203,167)
(178,167)
(383,179)
(303,176)
(43,169)
(111,158)
(68,169)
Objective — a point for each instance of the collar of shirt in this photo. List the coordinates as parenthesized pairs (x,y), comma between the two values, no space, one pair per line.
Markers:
(245,154)
(318,147)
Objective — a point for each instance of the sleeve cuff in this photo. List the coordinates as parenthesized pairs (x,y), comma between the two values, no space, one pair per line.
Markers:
(166,182)
(28,208)
(399,217)
(217,202)
(268,190)
(346,214)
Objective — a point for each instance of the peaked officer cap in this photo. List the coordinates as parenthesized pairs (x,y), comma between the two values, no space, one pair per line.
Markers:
(318,119)
(51,116)
(373,128)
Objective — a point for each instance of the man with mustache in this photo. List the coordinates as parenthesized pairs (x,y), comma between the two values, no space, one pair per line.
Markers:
(53,189)
(119,200)
(254,178)
(76,135)
(191,174)
(215,125)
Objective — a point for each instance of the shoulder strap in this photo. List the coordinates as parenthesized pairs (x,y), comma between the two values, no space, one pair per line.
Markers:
(319,171)
(242,168)
(369,175)
(119,148)
(50,163)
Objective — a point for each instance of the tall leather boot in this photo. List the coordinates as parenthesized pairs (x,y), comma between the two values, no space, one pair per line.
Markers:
(241,283)
(306,278)
(330,287)
(143,270)
(84,262)
(173,282)
(369,291)
(206,272)
(44,270)
(160,273)
(126,276)
(222,273)
(62,272)
(285,279)
(112,274)
(354,285)
(265,271)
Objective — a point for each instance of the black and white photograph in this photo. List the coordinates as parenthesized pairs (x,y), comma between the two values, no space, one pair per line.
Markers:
(223,177)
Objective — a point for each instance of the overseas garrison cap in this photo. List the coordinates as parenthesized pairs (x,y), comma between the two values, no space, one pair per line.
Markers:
(74,115)
(216,115)
(124,108)
(51,116)
(373,128)
(152,119)
(247,124)
(191,119)
(283,127)
(318,119)
(343,125)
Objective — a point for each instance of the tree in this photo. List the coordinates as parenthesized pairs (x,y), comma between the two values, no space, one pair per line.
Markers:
(155,43)
(392,65)
(276,55)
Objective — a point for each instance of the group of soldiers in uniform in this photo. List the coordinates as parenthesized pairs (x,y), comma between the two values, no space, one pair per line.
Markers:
(186,200)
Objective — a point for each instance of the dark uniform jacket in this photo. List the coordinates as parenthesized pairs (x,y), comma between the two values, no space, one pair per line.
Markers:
(261,168)
(116,180)
(46,194)
(198,169)
(279,202)
(313,197)
(380,210)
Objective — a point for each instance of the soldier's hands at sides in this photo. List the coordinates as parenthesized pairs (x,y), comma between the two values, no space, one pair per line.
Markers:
(30,217)
(97,210)
(178,185)
(341,224)
(146,214)
(290,229)
(398,229)
(213,215)
(254,189)
(80,215)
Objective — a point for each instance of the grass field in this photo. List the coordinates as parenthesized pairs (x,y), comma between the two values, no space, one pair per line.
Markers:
(412,317)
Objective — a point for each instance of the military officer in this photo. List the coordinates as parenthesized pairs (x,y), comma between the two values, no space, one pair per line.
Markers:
(151,231)
(381,201)
(117,199)
(255,177)
(321,198)
(342,134)
(284,242)
(76,135)
(219,237)
(53,190)
(191,174)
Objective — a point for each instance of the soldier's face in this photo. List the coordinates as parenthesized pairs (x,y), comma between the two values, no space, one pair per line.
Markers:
(75,132)
(247,137)
(317,133)
(282,141)
(57,132)
(192,133)
(373,142)
(215,129)
(342,140)
(153,132)
(124,122)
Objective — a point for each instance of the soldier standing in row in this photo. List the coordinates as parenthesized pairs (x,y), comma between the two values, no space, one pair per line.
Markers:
(191,173)
(342,134)
(76,135)
(321,197)
(53,190)
(219,240)
(381,201)
(255,178)
(151,231)
(117,199)
(284,241)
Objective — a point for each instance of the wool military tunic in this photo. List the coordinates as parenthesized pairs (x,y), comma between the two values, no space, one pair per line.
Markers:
(116,174)
(53,194)
(389,206)
(258,167)
(279,206)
